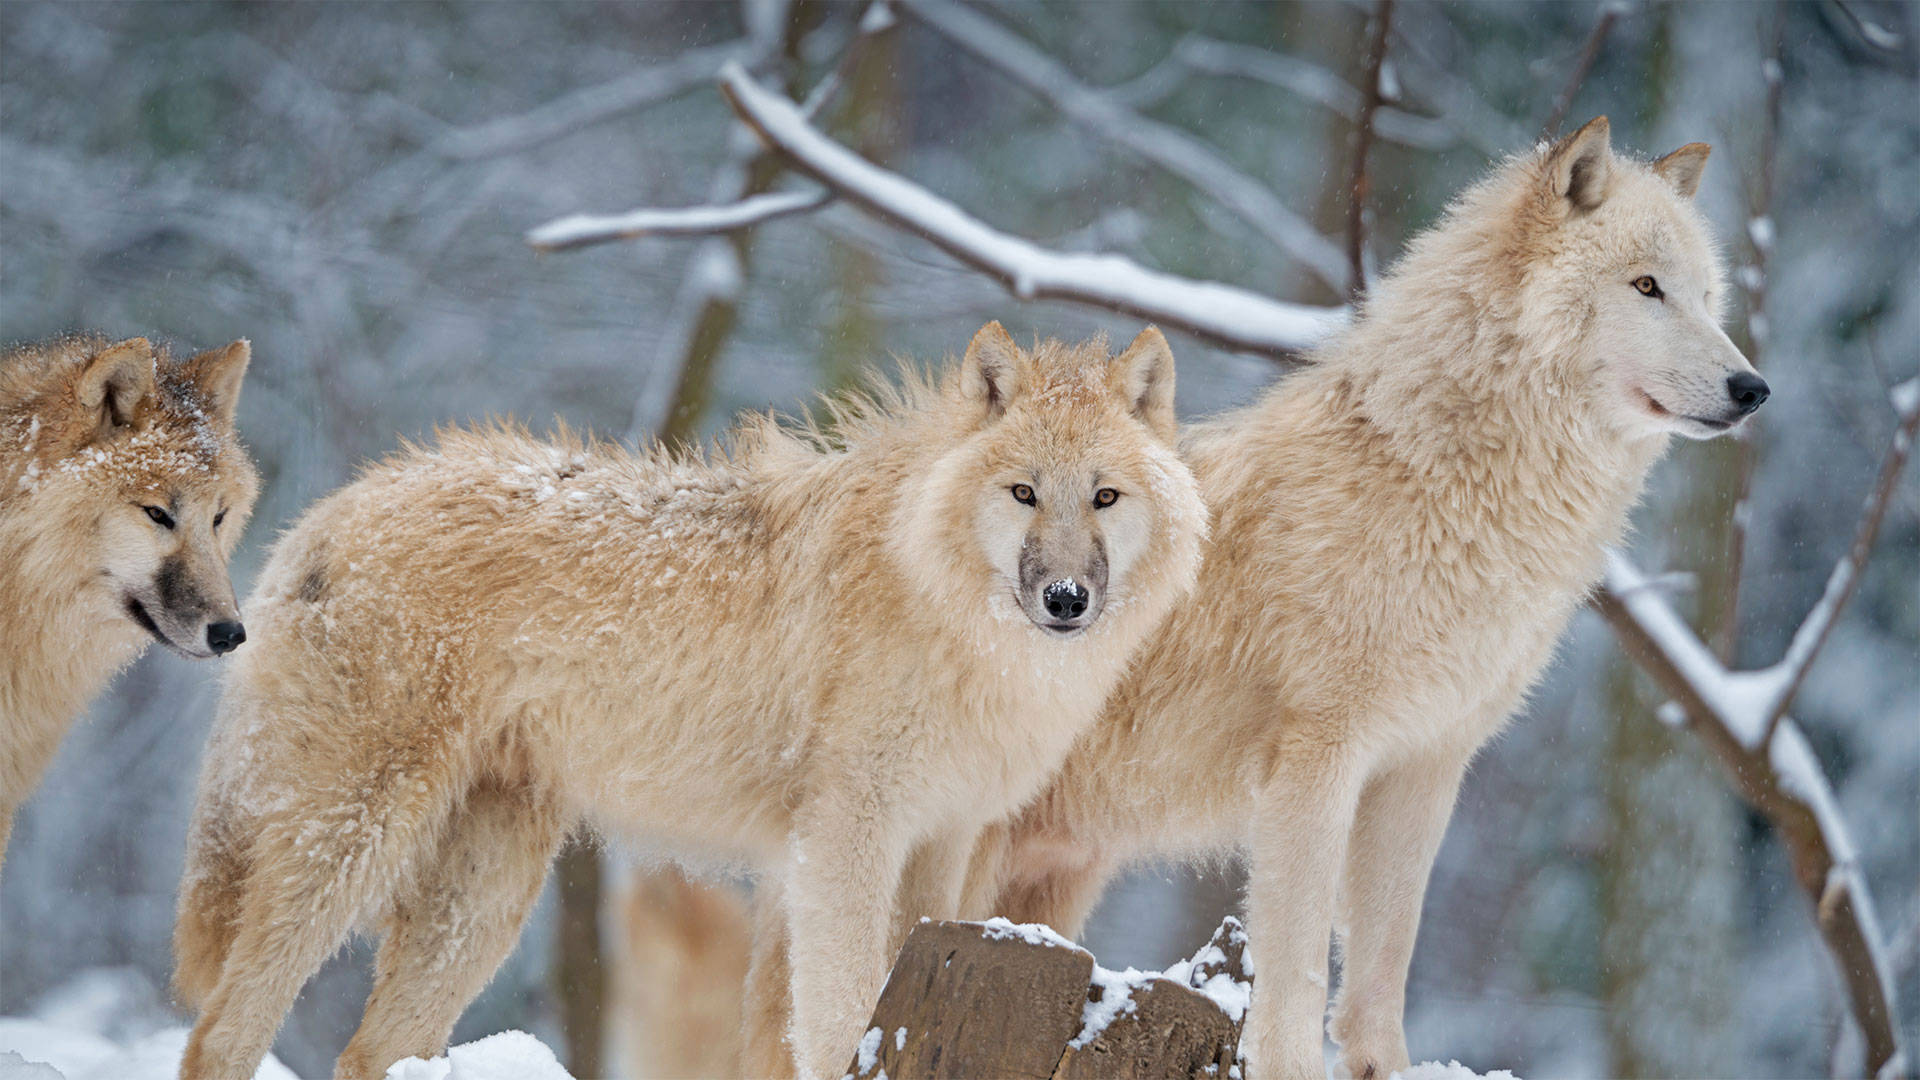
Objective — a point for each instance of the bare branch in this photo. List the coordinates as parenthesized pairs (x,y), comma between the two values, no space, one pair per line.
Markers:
(1358,181)
(1225,314)
(1589,52)
(510,134)
(1813,632)
(1303,78)
(1774,768)
(582,230)
(1158,144)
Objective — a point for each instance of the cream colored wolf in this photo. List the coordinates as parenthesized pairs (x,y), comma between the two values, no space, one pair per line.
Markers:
(813,656)
(1400,535)
(123,490)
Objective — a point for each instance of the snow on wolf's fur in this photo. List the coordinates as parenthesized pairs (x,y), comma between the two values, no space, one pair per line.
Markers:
(812,652)
(123,490)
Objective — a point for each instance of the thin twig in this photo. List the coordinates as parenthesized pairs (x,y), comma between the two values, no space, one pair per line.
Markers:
(1358,182)
(1754,277)
(649,85)
(1303,78)
(1160,145)
(1225,314)
(1589,52)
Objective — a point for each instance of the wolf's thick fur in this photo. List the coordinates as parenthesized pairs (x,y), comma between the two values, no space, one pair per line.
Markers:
(814,658)
(1401,533)
(91,434)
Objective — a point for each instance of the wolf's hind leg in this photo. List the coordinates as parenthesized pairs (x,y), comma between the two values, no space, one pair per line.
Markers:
(449,932)
(314,870)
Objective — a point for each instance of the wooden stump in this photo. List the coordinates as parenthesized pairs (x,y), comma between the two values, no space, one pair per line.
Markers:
(998,1000)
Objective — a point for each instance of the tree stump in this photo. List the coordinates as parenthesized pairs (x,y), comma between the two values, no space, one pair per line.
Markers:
(997,999)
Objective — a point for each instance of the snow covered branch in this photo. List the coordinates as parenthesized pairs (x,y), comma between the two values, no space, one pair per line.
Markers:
(1158,144)
(1741,717)
(1225,314)
(581,230)
(510,134)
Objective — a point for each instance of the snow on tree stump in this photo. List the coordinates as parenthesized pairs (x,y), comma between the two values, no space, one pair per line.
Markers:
(997,999)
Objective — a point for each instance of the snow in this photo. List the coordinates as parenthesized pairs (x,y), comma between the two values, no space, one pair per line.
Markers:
(50,1051)
(576,230)
(868,1055)
(509,1055)
(1002,929)
(1452,1070)
(1115,1001)
(1225,313)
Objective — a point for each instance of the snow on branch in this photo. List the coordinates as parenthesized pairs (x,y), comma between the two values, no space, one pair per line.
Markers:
(1158,144)
(510,134)
(580,230)
(1791,671)
(1225,314)
(1741,717)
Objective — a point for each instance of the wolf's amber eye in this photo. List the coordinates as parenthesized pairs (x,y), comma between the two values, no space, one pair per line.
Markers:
(1105,497)
(1648,286)
(159,517)
(1023,494)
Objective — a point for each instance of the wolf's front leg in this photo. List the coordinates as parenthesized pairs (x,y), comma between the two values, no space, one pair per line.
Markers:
(1397,831)
(1299,838)
(848,850)
(931,883)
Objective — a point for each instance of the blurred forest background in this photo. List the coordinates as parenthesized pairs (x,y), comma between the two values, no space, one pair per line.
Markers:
(349,186)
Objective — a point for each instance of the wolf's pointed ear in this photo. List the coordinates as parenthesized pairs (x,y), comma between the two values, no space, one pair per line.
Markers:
(217,374)
(1579,165)
(117,381)
(1143,374)
(1682,168)
(991,371)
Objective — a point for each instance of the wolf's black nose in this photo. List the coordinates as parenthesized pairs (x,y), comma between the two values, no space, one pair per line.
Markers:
(224,637)
(1065,599)
(1747,390)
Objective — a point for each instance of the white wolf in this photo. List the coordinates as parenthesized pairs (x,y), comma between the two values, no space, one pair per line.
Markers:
(1401,533)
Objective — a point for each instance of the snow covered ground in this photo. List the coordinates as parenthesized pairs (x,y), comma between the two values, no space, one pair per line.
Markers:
(109,1024)
(112,1024)
(38,1050)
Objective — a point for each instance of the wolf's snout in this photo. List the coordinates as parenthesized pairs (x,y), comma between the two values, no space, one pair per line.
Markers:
(1749,391)
(224,637)
(1065,599)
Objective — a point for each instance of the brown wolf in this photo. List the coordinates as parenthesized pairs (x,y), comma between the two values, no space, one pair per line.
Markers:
(815,655)
(1400,535)
(123,490)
